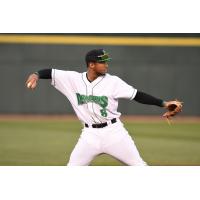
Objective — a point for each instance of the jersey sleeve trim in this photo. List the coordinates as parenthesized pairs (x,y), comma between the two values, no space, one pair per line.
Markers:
(134,94)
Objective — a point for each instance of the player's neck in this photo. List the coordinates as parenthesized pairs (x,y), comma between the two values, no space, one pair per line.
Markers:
(91,75)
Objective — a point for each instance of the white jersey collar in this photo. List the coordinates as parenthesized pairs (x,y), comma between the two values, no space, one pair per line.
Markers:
(93,83)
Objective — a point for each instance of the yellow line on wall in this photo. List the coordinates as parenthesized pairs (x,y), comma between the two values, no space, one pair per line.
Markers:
(99,40)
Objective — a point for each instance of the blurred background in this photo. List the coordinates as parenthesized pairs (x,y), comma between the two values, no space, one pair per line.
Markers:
(35,128)
(164,65)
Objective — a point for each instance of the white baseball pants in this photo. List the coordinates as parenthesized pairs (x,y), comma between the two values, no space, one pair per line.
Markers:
(112,139)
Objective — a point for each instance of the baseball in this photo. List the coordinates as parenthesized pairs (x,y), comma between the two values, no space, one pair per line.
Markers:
(29,85)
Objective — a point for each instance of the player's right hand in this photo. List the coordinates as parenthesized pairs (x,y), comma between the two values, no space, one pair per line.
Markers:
(31,82)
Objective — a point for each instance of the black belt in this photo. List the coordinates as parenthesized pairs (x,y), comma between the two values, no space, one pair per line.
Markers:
(102,124)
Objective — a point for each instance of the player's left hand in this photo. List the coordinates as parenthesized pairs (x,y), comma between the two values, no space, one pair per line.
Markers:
(173,107)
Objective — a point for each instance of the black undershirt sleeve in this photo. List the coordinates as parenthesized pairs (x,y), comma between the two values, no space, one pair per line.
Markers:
(144,98)
(44,73)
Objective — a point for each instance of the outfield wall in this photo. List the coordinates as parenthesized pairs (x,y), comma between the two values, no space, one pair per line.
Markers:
(165,71)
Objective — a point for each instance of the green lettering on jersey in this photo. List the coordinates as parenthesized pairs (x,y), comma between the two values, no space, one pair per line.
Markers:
(79,98)
(100,100)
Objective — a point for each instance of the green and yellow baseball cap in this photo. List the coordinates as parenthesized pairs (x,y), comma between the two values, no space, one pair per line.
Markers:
(97,55)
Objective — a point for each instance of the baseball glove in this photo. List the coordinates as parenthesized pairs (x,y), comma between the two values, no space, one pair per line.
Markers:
(173,107)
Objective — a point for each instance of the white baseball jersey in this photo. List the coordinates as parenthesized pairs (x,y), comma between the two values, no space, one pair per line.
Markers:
(96,101)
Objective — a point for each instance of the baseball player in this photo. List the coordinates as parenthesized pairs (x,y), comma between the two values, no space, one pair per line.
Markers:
(94,97)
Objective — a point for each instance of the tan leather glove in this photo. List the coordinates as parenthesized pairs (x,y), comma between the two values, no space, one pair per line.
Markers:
(173,107)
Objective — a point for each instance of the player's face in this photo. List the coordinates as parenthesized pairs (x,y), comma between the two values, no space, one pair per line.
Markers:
(101,68)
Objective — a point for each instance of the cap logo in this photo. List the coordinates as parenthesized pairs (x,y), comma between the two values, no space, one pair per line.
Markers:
(103,58)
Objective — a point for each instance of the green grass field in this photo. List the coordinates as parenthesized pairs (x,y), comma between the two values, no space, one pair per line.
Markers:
(50,142)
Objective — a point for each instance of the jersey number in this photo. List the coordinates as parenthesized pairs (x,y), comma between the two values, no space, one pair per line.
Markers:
(103,112)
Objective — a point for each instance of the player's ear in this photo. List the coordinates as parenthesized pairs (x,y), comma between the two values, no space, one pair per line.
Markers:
(91,65)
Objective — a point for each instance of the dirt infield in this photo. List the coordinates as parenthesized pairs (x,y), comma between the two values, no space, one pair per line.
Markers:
(128,118)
